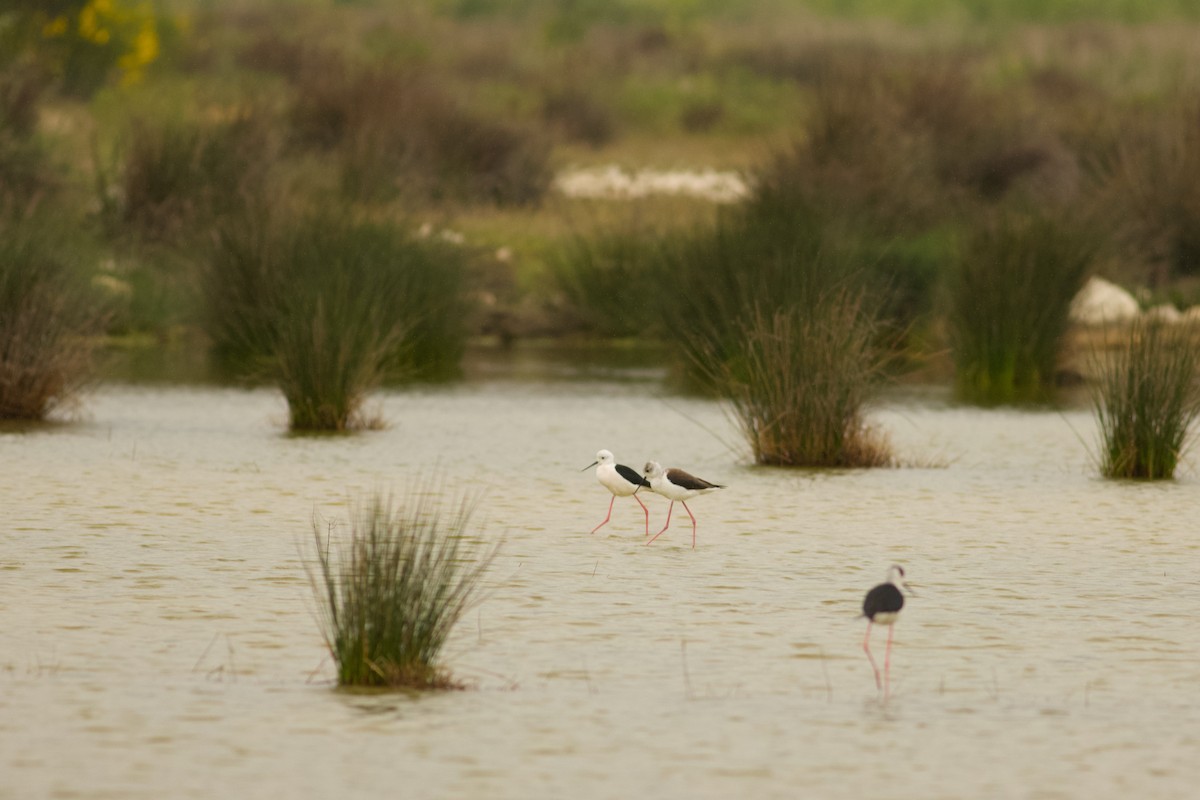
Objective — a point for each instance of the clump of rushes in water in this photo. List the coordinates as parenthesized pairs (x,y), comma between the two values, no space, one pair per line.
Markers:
(1146,401)
(772,253)
(1009,305)
(390,593)
(330,307)
(49,318)
(799,385)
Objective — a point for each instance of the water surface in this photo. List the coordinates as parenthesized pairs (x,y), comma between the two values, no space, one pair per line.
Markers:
(157,635)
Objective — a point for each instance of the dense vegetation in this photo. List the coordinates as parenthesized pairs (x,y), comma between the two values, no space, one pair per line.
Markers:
(882,142)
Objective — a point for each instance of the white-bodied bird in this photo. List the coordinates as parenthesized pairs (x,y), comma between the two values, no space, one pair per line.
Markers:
(675,484)
(619,479)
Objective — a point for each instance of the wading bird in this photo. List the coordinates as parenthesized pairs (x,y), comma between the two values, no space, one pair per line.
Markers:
(882,606)
(676,484)
(619,479)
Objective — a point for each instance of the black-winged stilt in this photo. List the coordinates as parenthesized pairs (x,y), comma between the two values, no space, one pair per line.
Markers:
(882,606)
(676,484)
(619,479)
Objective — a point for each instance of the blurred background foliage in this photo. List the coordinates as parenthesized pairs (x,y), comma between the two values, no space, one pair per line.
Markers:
(889,134)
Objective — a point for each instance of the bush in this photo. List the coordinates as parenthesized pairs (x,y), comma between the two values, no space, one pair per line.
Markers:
(777,252)
(801,381)
(396,134)
(178,174)
(48,318)
(390,595)
(330,308)
(579,115)
(605,281)
(1010,299)
(87,41)
(24,171)
(1152,182)
(1147,400)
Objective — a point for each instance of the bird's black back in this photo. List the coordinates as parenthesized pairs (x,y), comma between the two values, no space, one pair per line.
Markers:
(883,599)
(632,475)
(686,480)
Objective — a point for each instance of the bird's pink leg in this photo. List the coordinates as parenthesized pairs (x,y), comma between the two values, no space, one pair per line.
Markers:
(643,505)
(685,508)
(887,662)
(606,519)
(871,658)
(660,533)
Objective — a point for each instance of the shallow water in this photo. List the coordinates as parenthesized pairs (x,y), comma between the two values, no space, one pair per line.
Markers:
(157,636)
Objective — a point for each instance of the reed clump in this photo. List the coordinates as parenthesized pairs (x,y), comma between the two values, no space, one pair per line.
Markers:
(49,318)
(776,252)
(1147,401)
(605,280)
(801,382)
(330,308)
(1010,298)
(390,593)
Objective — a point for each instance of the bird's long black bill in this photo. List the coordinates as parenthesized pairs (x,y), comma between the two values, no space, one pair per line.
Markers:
(589,466)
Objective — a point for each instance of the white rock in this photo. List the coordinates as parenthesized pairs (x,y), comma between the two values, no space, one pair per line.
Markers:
(1165,313)
(1101,302)
(613,182)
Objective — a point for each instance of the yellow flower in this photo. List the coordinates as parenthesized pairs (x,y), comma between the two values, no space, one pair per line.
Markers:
(56,27)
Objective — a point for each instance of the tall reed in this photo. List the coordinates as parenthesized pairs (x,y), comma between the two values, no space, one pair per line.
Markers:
(801,381)
(1147,401)
(1009,305)
(49,318)
(330,308)
(606,281)
(774,253)
(391,592)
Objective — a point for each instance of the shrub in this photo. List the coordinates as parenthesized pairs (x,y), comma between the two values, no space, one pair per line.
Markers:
(330,307)
(801,381)
(24,168)
(1147,400)
(776,252)
(48,318)
(1152,179)
(605,280)
(579,115)
(1010,298)
(397,134)
(391,593)
(89,40)
(178,174)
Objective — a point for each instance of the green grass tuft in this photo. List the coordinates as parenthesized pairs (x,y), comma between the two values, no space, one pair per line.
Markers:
(49,317)
(1009,305)
(330,308)
(1147,401)
(800,383)
(391,591)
